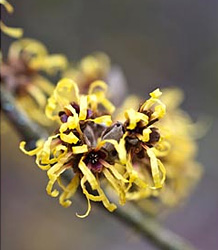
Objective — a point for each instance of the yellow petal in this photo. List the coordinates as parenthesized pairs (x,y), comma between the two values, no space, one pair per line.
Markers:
(69,191)
(7,6)
(114,171)
(105,119)
(83,180)
(115,185)
(11,31)
(88,174)
(31,152)
(156,93)
(134,117)
(155,169)
(30,47)
(66,91)
(145,135)
(110,206)
(120,148)
(97,84)
(49,63)
(80,149)
(83,107)
(70,138)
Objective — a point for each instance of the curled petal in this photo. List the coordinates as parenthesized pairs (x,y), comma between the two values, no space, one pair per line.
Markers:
(104,119)
(83,107)
(120,148)
(31,48)
(96,85)
(116,185)
(66,91)
(82,183)
(156,93)
(7,5)
(11,31)
(34,151)
(155,164)
(145,135)
(69,191)
(37,95)
(49,63)
(88,174)
(114,171)
(70,138)
(134,117)
(80,149)
(110,206)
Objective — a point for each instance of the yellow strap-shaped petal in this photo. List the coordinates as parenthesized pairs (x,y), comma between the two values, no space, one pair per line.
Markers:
(114,171)
(83,107)
(44,84)
(7,5)
(145,135)
(69,191)
(120,148)
(134,117)
(110,206)
(70,138)
(46,151)
(154,168)
(37,95)
(31,47)
(80,149)
(66,91)
(97,84)
(115,185)
(31,152)
(49,63)
(11,31)
(83,180)
(156,93)
(105,119)
(159,111)
(88,174)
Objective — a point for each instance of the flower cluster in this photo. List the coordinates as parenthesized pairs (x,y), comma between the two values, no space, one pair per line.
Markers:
(21,75)
(176,151)
(97,150)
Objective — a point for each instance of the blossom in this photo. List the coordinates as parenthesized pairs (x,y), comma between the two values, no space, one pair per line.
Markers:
(141,140)
(21,75)
(176,149)
(93,67)
(81,145)
(13,32)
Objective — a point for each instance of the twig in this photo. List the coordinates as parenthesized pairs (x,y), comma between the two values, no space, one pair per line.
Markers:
(28,130)
(129,214)
(151,228)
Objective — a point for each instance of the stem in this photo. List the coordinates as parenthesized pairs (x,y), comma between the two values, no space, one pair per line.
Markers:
(151,229)
(129,214)
(28,130)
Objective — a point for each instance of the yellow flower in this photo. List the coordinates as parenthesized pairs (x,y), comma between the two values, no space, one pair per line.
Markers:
(176,150)
(13,32)
(137,148)
(20,74)
(79,145)
(91,68)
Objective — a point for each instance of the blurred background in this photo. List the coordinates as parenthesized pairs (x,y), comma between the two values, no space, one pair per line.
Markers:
(157,43)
